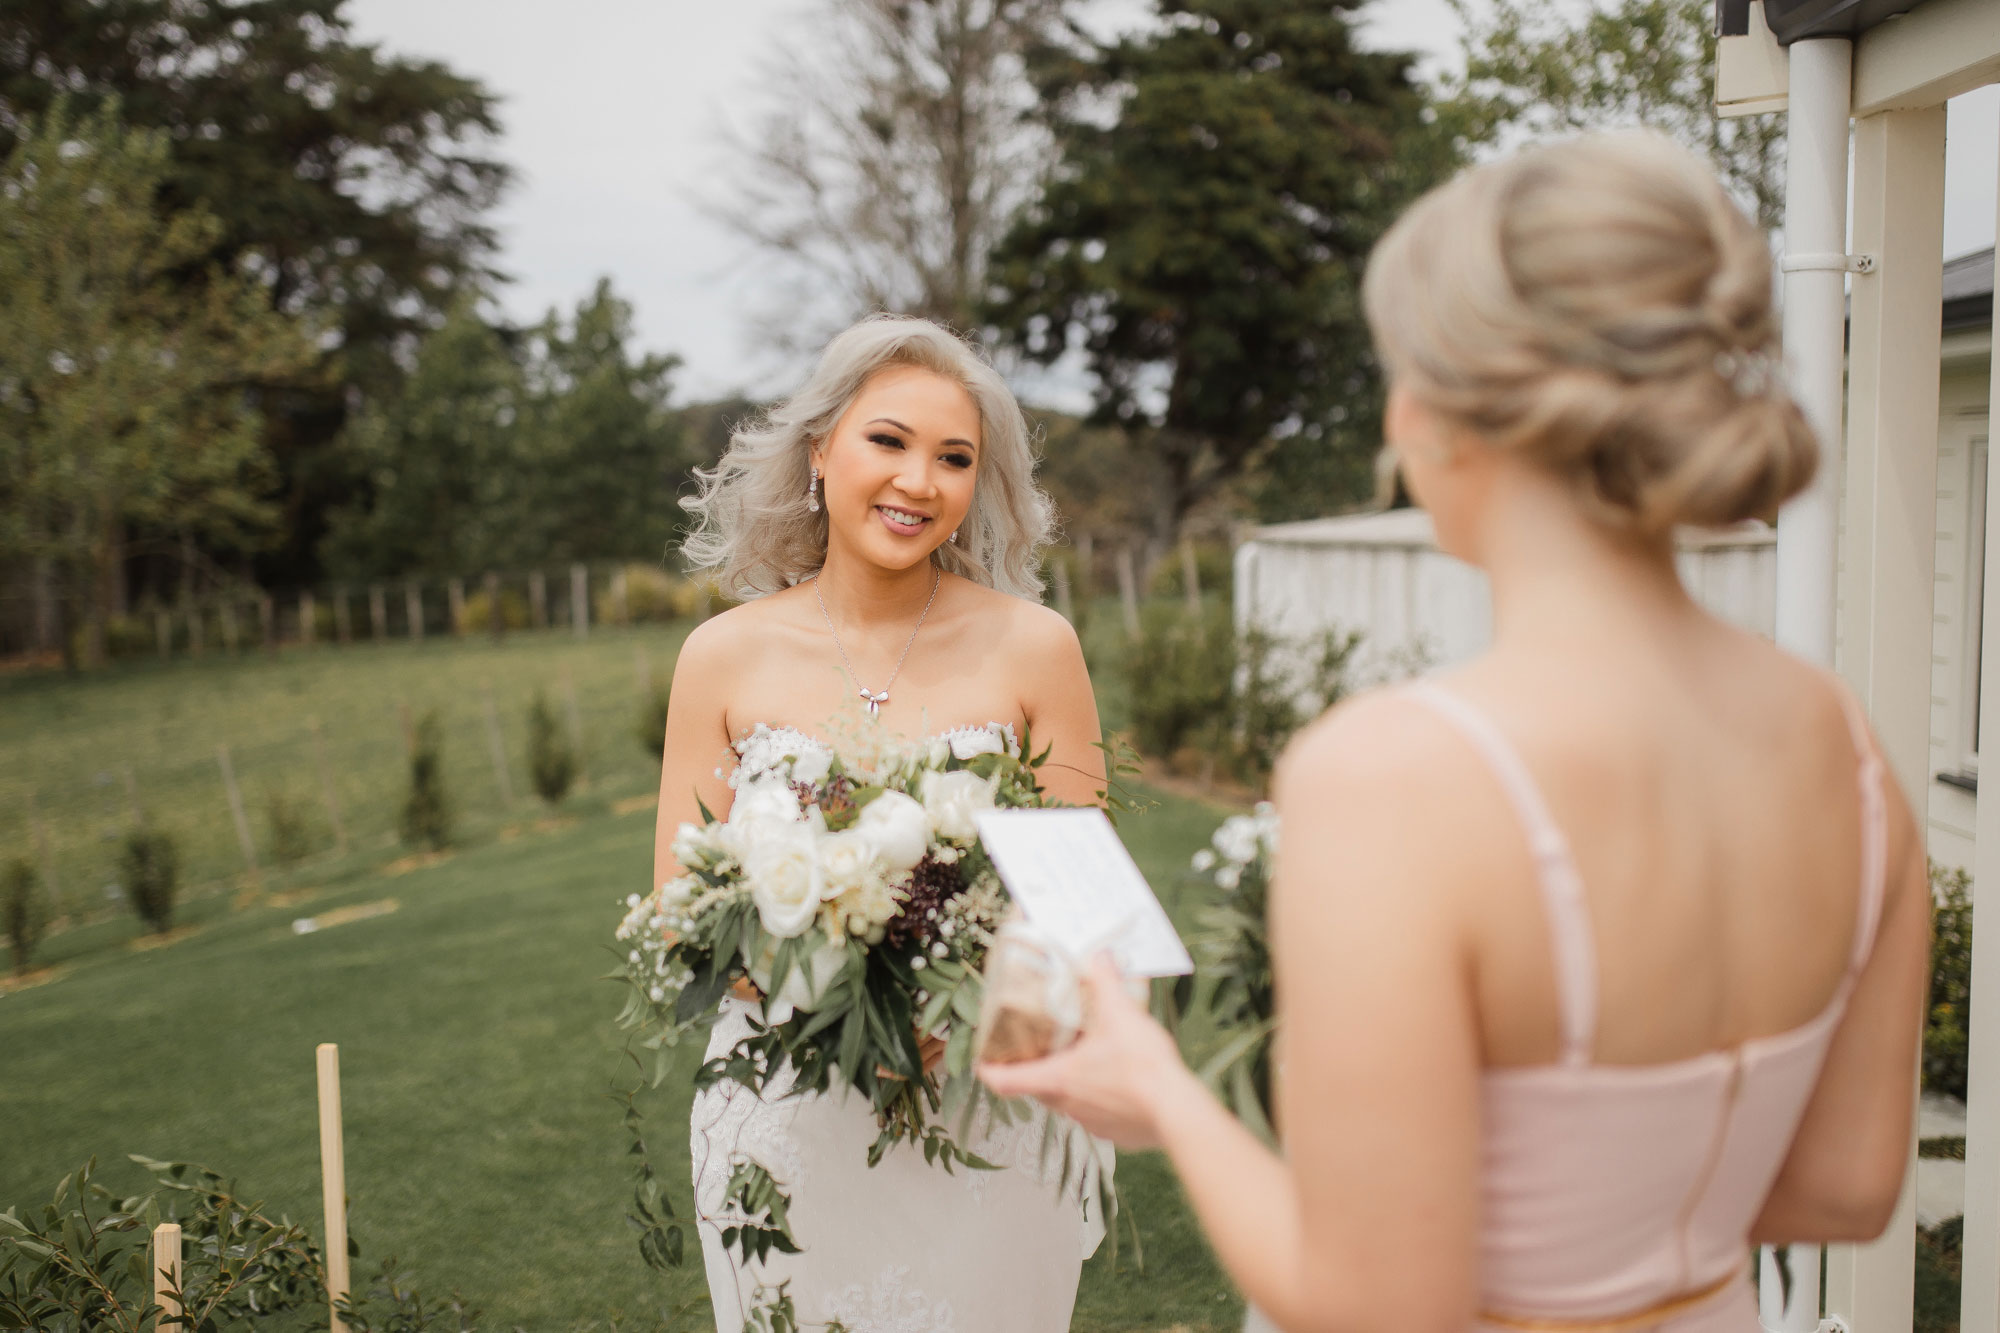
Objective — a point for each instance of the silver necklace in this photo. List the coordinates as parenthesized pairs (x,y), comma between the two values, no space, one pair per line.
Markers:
(875,699)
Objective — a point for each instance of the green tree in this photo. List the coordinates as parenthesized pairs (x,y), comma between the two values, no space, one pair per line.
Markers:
(438,459)
(352,182)
(125,391)
(601,455)
(1533,69)
(1222,178)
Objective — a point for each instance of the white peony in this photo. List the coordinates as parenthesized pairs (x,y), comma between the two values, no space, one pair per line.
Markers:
(954,800)
(847,860)
(782,865)
(811,766)
(982,740)
(762,803)
(898,828)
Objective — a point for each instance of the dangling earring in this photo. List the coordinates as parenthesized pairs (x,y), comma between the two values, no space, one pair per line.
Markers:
(812,492)
(954,535)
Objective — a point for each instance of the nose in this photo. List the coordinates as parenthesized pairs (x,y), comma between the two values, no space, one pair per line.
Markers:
(915,478)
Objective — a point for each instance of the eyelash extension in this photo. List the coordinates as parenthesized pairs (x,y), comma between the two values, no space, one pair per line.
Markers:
(960,461)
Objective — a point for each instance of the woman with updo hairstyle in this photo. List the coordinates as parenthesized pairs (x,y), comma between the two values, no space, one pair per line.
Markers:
(1602,957)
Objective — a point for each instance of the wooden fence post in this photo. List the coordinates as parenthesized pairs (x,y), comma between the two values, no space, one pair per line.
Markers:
(1128,591)
(454,589)
(1064,607)
(326,789)
(333,1183)
(167,1272)
(538,599)
(1086,564)
(413,610)
(236,812)
(43,845)
(494,619)
(343,627)
(579,599)
(499,751)
(308,619)
(575,728)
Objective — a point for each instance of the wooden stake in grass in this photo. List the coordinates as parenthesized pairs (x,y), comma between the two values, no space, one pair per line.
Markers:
(499,752)
(326,789)
(413,610)
(167,1271)
(1128,591)
(454,591)
(579,599)
(236,811)
(538,599)
(1064,606)
(333,1183)
(343,627)
(42,846)
(378,614)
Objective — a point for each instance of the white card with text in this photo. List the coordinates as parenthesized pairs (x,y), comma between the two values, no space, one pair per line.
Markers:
(1077,884)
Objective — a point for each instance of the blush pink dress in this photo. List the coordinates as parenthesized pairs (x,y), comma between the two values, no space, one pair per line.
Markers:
(1620,1197)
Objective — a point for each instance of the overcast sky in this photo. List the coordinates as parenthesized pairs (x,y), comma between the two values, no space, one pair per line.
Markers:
(610,108)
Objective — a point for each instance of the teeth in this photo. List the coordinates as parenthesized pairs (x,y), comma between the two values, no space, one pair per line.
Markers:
(903,520)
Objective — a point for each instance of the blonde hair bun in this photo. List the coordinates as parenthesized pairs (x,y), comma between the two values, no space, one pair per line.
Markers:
(1603,307)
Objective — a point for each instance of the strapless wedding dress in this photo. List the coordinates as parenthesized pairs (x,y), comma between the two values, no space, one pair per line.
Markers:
(903,1246)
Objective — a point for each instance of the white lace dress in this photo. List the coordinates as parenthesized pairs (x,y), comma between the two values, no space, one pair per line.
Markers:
(901,1247)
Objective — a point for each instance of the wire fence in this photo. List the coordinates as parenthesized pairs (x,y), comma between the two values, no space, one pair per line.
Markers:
(254,764)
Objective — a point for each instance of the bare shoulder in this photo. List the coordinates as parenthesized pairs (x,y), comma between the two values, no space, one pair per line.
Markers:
(1033,633)
(1377,741)
(722,638)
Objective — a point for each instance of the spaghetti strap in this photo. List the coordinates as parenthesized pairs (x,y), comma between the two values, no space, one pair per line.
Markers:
(1555,868)
(1874,831)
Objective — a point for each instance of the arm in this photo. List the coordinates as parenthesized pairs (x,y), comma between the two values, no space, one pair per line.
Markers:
(1061,709)
(697,743)
(1845,1168)
(1368,1225)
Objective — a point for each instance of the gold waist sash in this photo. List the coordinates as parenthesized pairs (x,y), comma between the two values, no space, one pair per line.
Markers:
(1660,1313)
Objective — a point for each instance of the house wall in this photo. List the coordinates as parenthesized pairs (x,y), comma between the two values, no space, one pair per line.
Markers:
(1963,431)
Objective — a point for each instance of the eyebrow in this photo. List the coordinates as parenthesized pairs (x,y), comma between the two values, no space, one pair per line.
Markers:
(891,421)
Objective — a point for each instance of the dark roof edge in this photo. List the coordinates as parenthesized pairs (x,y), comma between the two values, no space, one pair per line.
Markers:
(1794,20)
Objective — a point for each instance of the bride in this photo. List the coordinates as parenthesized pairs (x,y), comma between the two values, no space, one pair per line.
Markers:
(882,528)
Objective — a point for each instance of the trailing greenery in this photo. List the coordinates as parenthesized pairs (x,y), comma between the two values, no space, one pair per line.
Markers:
(551,762)
(149,871)
(1951,981)
(26,913)
(427,813)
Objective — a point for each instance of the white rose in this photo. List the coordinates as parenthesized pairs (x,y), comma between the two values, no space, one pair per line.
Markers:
(846,860)
(783,869)
(898,828)
(953,800)
(812,766)
(1237,838)
(969,744)
(763,803)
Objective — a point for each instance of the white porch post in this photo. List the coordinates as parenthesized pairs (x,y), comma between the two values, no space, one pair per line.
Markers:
(1815,291)
(1892,551)
(1979,1294)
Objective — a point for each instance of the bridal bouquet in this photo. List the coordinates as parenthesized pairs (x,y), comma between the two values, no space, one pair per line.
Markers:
(1234,954)
(852,892)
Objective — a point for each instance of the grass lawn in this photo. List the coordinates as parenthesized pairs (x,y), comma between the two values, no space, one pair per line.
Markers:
(484,1145)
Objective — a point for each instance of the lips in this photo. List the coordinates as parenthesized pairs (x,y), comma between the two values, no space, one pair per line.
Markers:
(902,520)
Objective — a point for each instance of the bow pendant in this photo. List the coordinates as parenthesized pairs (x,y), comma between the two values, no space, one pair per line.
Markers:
(874,701)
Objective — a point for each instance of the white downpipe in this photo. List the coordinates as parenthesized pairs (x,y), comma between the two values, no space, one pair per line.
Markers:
(1815,319)
(1822,73)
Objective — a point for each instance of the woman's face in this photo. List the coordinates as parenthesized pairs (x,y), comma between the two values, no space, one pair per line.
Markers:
(897,470)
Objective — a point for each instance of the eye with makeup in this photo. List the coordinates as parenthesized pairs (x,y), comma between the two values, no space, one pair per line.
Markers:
(960,461)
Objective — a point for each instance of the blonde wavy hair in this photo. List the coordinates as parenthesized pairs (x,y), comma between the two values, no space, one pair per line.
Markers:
(753,528)
(1602,307)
